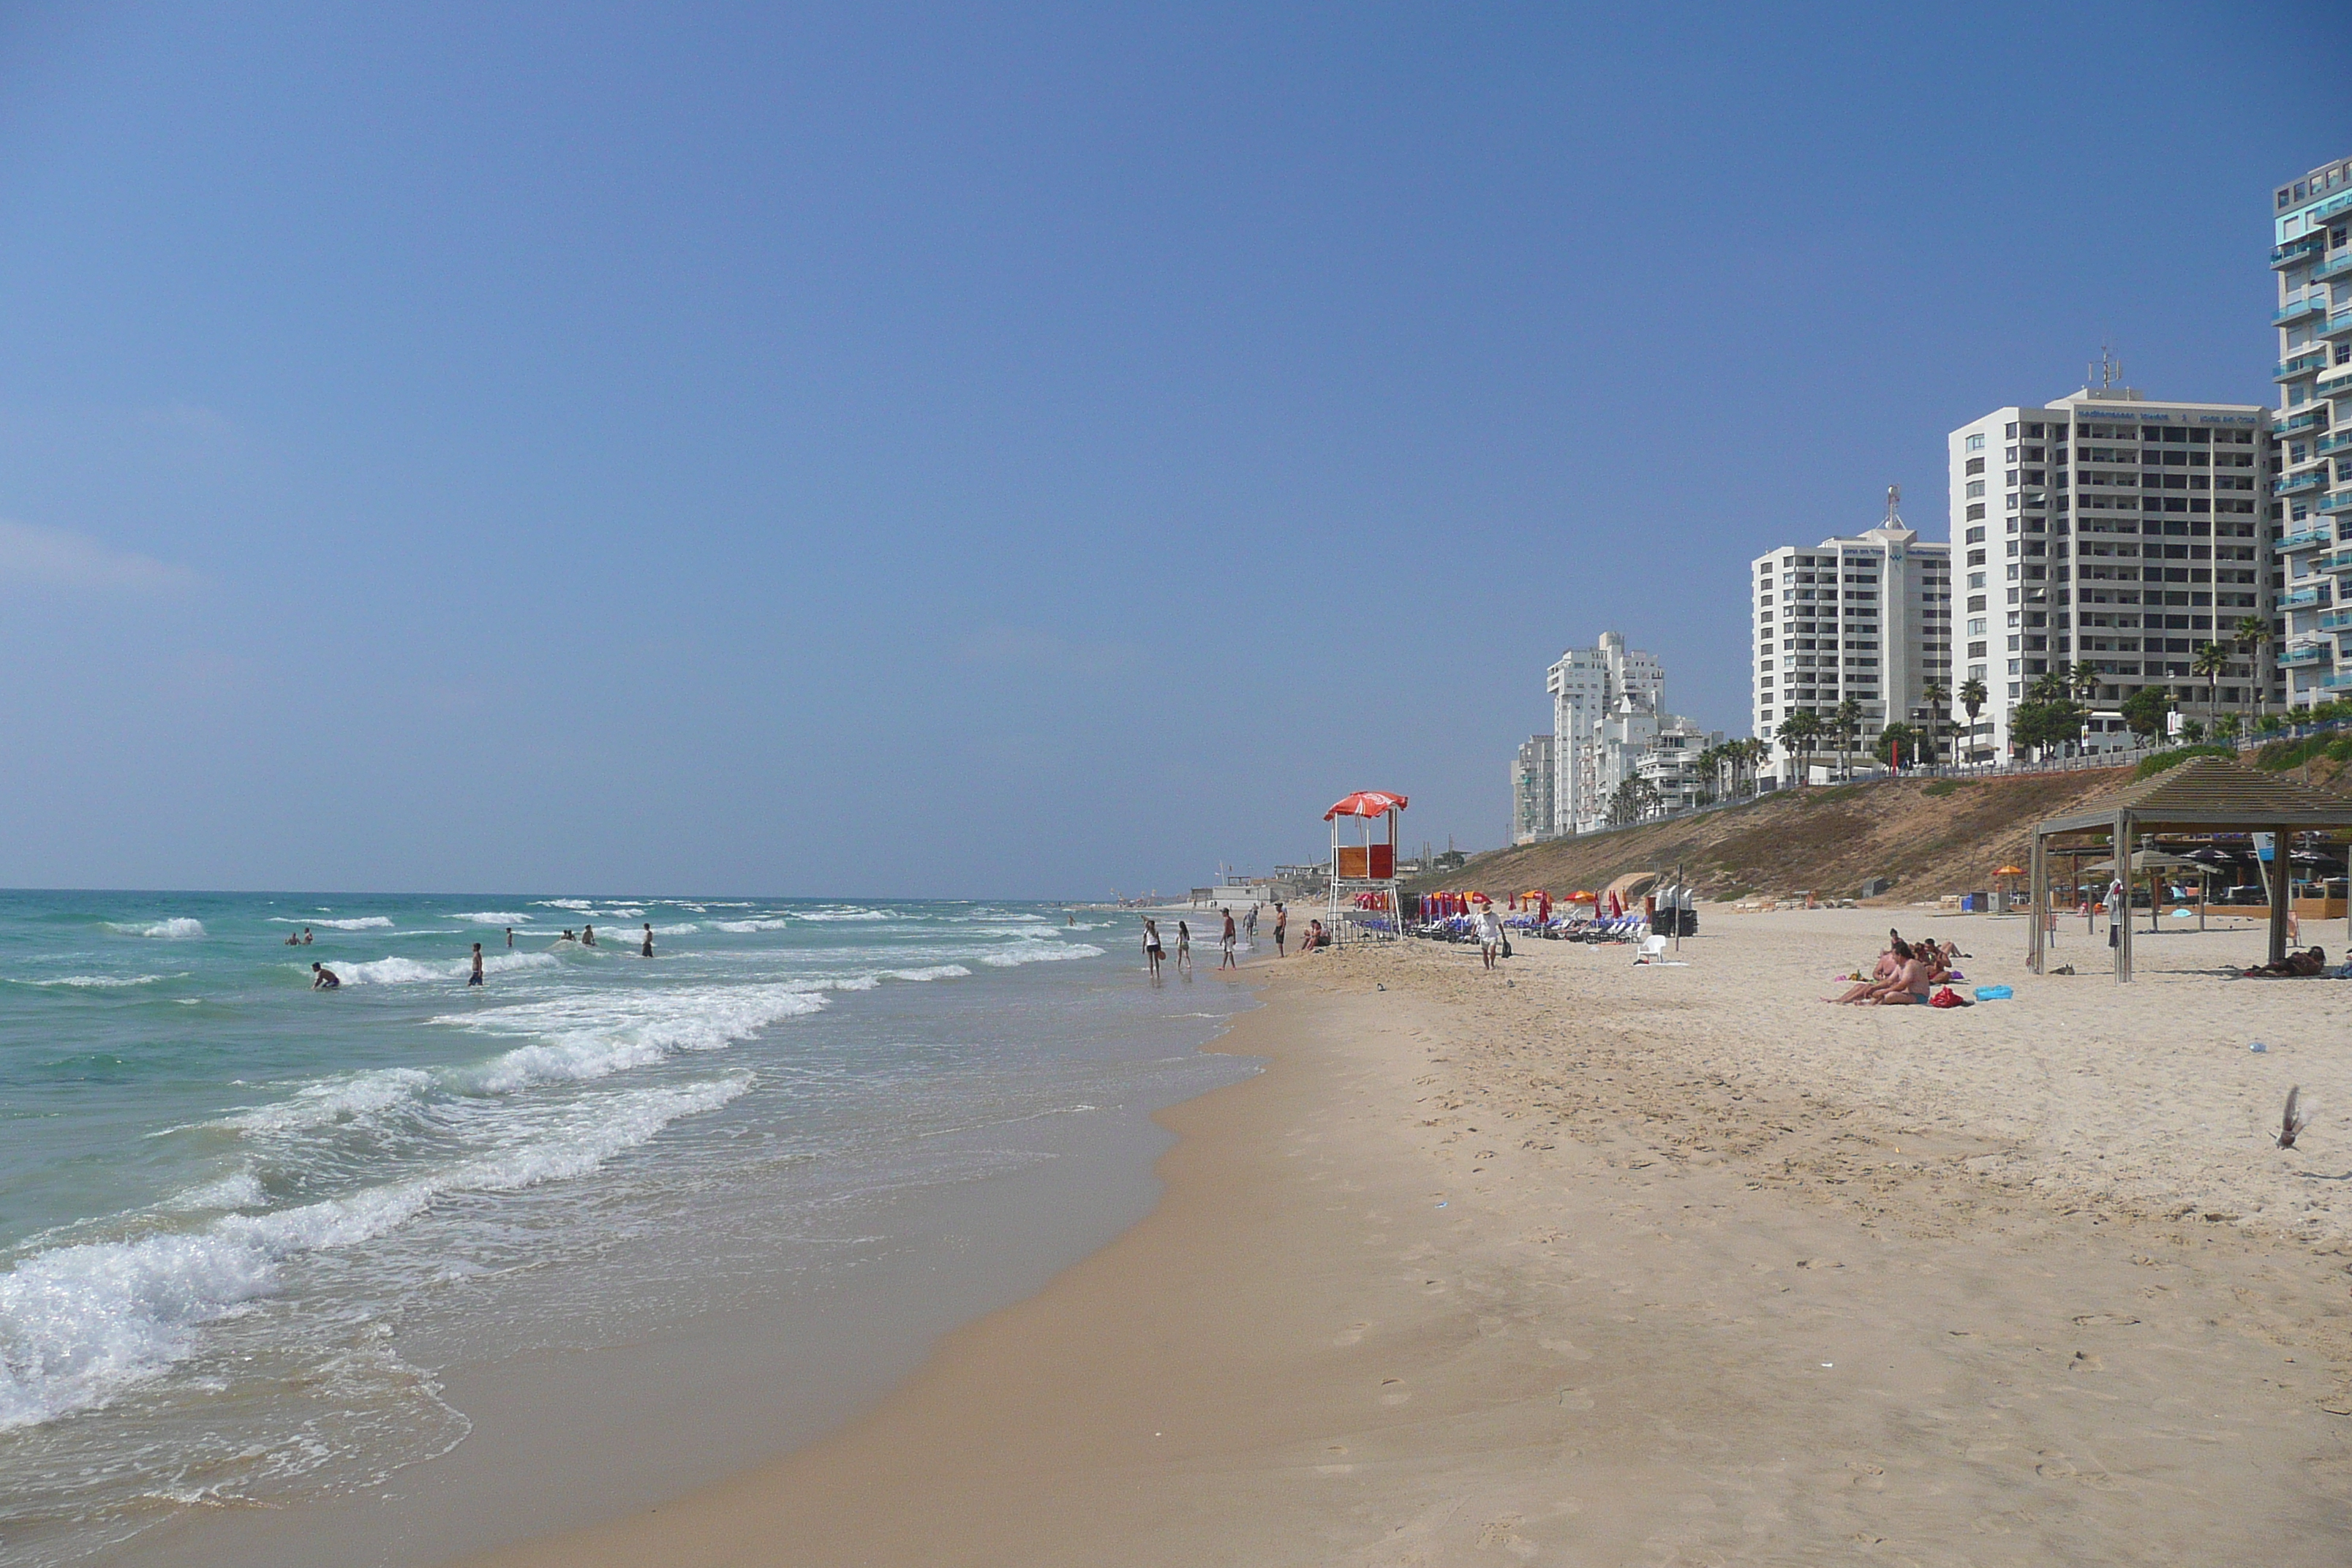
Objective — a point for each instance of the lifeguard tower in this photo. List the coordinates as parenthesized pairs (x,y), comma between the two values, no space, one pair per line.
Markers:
(1364,902)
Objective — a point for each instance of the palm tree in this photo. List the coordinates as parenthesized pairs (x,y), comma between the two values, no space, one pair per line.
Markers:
(2253,633)
(1973,698)
(2211,660)
(1938,697)
(2083,682)
(1847,723)
(1798,732)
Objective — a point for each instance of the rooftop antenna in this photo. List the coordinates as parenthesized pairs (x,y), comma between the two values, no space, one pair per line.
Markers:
(2109,369)
(1894,502)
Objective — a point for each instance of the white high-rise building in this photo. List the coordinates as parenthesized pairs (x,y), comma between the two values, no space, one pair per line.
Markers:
(1605,699)
(1531,788)
(2311,250)
(2109,530)
(1867,617)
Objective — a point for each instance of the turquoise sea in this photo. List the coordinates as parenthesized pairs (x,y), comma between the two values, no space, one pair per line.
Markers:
(231,1206)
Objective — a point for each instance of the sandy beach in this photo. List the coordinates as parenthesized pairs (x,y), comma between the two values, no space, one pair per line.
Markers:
(1591,1263)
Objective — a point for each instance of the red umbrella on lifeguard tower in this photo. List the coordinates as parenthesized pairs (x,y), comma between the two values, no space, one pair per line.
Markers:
(1363,874)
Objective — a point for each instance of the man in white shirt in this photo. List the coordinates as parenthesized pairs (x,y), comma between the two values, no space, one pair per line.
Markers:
(1490,935)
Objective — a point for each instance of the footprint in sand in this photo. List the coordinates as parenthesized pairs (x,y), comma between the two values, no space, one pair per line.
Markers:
(1353,1334)
(1575,1399)
(1395,1396)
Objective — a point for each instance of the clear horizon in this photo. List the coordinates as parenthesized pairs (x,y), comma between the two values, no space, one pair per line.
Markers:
(1007,454)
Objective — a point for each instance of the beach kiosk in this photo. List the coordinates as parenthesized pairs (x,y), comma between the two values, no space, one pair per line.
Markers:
(2203,795)
(1364,902)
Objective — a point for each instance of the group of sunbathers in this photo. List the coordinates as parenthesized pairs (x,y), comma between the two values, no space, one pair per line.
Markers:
(1906,974)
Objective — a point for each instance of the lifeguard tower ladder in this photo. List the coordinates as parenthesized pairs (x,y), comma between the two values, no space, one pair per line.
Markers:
(1364,903)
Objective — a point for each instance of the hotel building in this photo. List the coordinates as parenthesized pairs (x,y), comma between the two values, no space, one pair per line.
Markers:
(1868,617)
(2110,529)
(1531,787)
(2313,488)
(1605,699)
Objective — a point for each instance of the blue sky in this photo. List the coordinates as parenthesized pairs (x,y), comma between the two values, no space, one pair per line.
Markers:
(1010,451)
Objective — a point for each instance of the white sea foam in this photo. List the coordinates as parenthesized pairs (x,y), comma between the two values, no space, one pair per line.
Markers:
(869,981)
(78,1324)
(241,1190)
(591,1037)
(745,927)
(357,1097)
(493,918)
(843,913)
(1039,952)
(360,922)
(107,982)
(566,904)
(412,972)
(179,927)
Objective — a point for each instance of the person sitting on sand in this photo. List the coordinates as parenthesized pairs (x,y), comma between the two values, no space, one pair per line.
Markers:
(322,978)
(1906,971)
(1316,937)
(2294,966)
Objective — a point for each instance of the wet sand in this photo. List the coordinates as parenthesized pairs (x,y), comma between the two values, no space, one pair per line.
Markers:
(1607,1265)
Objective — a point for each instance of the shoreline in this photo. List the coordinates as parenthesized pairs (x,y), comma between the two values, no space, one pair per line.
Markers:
(1472,1268)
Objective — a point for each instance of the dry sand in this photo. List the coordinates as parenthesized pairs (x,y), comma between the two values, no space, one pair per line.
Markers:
(1609,1265)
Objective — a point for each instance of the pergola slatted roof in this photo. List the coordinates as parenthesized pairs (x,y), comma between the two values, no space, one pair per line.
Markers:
(2210,791)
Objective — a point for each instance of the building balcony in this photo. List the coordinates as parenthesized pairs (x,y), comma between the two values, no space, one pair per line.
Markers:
(2335,620)
(2310,419)
(2295,250)
(2335,443)
(2336,561)
(2337,268)
(2325,210)
(2300,309)
(2300,598)
(2301,364)
(2336,326)
(2313,481)
(2304,538)
(2335,385)
(2337,682)
(2306,653)
(2336,503)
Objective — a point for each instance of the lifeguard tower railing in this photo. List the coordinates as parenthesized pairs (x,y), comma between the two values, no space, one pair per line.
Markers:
(1364,902)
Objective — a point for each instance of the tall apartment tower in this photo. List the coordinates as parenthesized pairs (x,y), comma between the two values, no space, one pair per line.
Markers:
(1867,616)
(2108,530)
(1605,702)
(2314,425)
(1531,788)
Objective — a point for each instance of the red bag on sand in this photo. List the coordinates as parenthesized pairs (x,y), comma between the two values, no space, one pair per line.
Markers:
(1948,997)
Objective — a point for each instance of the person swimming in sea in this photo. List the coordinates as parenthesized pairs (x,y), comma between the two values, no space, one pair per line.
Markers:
(323,978)
(306,936)
(647,950)
(476,978)
(588,936)
(293,939)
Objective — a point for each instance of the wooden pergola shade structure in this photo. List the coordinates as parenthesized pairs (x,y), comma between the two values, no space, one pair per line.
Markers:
(2203,795)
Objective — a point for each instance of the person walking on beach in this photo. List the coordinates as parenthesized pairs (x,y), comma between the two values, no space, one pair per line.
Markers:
(1227,962)
(1184,947)
(2115,909)
(1151,953)
(1281,928)
(1249,925)
(476,977)
(322,978)
(1490,935)
(647,950)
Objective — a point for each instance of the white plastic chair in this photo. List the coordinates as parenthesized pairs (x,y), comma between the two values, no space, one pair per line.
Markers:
(1653,948)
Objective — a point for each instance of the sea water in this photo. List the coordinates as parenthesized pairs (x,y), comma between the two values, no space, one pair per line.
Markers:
(231,1205)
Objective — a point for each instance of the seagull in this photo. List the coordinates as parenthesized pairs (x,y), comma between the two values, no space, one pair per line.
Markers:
(2294,1120)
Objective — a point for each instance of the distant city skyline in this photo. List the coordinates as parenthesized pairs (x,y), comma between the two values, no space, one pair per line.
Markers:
(905,451)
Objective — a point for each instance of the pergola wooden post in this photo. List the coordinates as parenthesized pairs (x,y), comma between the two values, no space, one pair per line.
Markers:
(2203,795)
